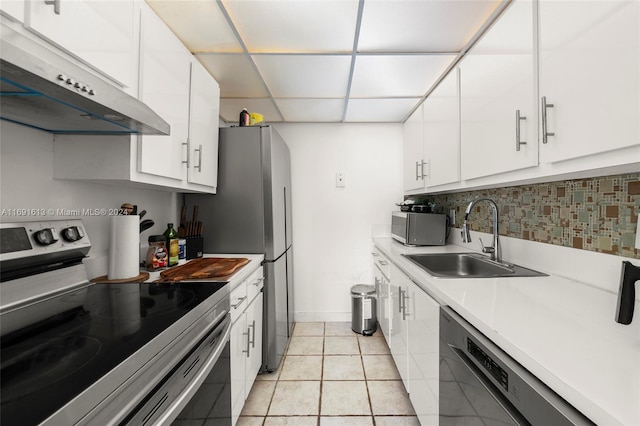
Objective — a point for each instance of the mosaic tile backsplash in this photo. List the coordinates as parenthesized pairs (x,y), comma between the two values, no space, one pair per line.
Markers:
(596,214)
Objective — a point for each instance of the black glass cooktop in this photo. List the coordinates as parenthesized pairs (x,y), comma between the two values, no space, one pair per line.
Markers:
(55,349)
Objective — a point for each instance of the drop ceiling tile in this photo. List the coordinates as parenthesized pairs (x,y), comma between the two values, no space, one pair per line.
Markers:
(396,75)
(199,24)
(379,110)
(230,109)
(235,74)
(295,26)
(421,26)
(305,76)
(311,110)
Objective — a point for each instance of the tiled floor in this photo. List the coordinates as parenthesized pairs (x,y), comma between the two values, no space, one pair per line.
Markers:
(330,376)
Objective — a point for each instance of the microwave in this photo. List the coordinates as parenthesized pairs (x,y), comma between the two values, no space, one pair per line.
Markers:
(419,229)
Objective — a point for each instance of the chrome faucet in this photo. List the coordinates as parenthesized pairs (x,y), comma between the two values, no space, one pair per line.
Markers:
(493,250)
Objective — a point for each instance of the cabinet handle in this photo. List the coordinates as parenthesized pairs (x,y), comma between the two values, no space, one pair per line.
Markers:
(239,302)
(199,166)
(383,262)
(545,134)
(399,300)
(518,119)
(427,163)
(186,145)
(404,305)
(375,254)
(258,281)
(417,165)
(56,5)
(253,334)
(248,351)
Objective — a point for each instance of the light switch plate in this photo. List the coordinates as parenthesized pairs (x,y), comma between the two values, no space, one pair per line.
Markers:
(340,182)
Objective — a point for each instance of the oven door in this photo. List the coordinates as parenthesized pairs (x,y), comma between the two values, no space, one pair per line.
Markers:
(197,389)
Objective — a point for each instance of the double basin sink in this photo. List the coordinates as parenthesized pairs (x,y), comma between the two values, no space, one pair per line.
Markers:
(468,265)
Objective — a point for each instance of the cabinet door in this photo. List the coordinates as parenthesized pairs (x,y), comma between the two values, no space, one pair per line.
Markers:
(412,151)
(238,346)
(203,127)
(98,32)
(496,86)
(441,133)
(423,331)
(165,68)
(254,327)
(398,336)
(590,73)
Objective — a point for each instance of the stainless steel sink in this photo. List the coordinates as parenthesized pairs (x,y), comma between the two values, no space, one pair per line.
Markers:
(468,265)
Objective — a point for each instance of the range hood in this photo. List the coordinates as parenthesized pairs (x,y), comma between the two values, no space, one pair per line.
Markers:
(46,91)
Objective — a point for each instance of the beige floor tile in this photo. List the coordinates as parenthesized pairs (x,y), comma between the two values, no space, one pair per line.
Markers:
(339,345)
(301,367)
(342,367)
(302,345)
(380,367)
(291,420)
(370,345)
(346,421)
(389,397)
(250,421)
(299,398)
(344,398)
(397,421)
(309,329)
(338,329)
(263,375)
(259,398)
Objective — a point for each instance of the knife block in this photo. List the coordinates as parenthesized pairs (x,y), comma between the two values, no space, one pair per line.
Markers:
(194,247)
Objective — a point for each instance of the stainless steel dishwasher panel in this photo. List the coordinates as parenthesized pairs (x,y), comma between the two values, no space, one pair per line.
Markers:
(481,384)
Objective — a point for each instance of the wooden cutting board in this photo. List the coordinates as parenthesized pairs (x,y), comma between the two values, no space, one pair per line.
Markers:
(203,268)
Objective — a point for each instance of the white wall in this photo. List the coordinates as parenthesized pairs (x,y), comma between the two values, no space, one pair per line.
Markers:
(26,181)
(332,226)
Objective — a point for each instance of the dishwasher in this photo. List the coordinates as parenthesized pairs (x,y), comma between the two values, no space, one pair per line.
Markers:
(481,384)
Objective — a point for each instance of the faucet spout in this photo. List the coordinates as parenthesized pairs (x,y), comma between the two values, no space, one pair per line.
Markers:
(627,295)
(493,250)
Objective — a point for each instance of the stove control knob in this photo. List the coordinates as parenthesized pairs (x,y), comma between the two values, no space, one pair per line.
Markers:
(45,236)
(72,233)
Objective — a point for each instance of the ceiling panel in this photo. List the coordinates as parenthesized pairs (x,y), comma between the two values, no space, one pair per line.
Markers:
(312,110)
(379,110)
(397,75)
(300,76)
(421,26)
(230,109)
(199,24)
(295,26)
(235,74)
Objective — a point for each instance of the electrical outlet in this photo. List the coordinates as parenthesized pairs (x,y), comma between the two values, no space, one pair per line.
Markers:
(340,182)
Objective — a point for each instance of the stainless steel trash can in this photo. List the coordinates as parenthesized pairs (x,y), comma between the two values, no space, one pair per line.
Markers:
(363,309)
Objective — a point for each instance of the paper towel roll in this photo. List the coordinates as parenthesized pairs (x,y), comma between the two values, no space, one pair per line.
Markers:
(124,247)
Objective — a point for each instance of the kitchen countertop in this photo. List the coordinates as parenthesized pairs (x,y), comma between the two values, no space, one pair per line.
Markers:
(255,260)
(561,330)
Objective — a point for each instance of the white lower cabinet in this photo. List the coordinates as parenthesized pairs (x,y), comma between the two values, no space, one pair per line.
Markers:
(399,336)
(381,283)
(246,339)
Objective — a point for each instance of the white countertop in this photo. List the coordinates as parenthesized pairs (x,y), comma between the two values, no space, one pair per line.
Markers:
(561,330)
(255,261)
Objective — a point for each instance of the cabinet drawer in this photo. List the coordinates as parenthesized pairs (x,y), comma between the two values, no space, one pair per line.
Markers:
(238,300)
(254,284)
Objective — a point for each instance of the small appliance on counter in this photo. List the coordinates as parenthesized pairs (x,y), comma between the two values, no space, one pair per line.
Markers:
(419,229)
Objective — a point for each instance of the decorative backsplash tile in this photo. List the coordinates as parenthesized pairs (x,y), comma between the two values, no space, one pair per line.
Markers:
(597,214)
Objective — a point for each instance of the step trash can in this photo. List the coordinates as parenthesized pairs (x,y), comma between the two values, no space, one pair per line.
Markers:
(363,309)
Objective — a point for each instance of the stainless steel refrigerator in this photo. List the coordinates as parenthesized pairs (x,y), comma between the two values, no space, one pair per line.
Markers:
(251,213)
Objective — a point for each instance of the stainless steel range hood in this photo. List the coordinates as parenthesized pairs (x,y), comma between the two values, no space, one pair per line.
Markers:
(44,90)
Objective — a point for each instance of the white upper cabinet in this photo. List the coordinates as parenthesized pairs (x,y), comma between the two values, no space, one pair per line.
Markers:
(165,73)
(100,33)
(203,127)
(589,54)
(498,106)
(441,133)
(412,151)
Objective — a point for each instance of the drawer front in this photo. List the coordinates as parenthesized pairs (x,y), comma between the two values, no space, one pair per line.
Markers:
(254,284)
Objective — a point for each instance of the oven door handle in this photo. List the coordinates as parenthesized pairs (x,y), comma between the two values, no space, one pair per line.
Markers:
(495,393)
(219,339)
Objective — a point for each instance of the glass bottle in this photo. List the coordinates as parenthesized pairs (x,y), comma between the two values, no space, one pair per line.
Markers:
(171,236)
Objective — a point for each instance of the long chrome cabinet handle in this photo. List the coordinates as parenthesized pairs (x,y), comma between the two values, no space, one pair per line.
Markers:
(186,145)
(545,134)
(518,119)
(253,334)
(423,174)
(199,166)
(417,165)
(248,351)
(399,300)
